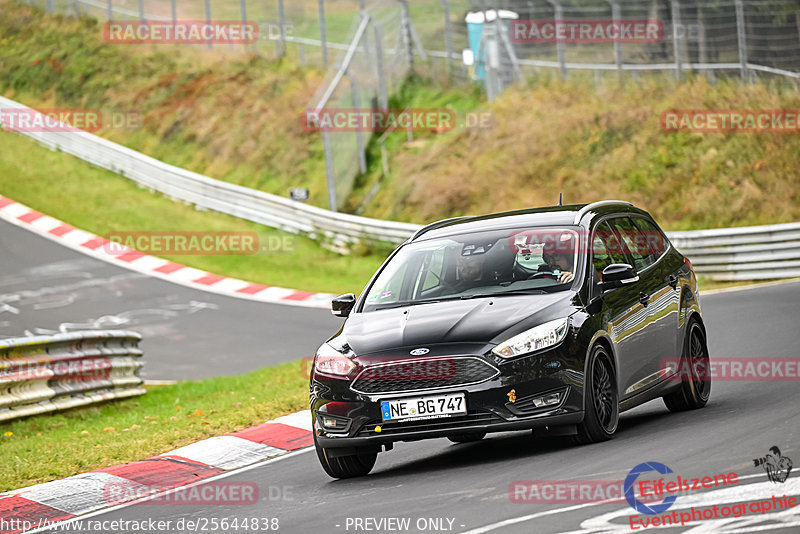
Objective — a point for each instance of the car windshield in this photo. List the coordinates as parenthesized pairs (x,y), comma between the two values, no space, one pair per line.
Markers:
(492,263)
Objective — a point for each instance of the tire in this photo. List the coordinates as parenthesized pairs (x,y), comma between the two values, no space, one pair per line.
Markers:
(466,438)
(695,390)
(350,466)
(601,399)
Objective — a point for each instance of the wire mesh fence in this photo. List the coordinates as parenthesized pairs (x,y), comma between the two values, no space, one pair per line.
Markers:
(369,46)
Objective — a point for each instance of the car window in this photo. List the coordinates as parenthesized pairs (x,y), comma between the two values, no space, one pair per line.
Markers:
(606,249)
(634,242)
(478,264)
(655,240)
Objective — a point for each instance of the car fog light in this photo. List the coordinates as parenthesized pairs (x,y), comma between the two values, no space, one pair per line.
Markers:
(547,400)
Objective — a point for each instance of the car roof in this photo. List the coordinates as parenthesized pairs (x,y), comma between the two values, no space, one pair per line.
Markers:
(568,215)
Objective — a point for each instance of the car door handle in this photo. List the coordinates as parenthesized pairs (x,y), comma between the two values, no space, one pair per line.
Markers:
(673,281)
(644,298)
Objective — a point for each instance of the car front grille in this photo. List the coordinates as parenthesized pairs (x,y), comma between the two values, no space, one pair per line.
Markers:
(422,374)
(390,428)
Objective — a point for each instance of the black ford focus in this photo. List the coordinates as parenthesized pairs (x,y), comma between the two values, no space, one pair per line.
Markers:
(553,319)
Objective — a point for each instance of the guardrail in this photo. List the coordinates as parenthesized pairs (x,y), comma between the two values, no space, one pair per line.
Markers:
(48,373)
(749,253)
(204,192)
(745,253)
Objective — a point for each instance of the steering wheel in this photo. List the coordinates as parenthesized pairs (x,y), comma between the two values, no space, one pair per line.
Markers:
(445,283)
(540,274)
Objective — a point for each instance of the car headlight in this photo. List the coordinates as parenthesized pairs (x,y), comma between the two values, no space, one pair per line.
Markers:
(330,361)
(537,338)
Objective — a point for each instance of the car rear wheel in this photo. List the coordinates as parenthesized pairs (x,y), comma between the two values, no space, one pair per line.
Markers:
(348,466)
(694,373)
(602,401)
(466,438)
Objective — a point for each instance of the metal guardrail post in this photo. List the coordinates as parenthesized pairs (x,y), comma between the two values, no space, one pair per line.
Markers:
(323,32)
(741,38)
(141,10)
(676,41)
(48,6)
(110,9)
(173,9)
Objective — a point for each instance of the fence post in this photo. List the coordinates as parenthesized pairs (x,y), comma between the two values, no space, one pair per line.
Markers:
(615,17)
(326,143)
(383,96)
(362,156)
(405,32)
(448,36)
(282,24)
(109,10)
(173,11)
(742,39)
(322,32)
(560,48)
(141,9)
(208,18)
(676,42)
(49,6)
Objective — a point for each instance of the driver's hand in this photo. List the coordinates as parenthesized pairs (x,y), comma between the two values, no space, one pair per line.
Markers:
(565,277)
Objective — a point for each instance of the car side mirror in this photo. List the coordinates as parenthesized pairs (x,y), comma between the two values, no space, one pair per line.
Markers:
(342,305)
(617,275)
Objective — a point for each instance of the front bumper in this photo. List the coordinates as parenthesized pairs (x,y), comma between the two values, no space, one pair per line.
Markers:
(500,404)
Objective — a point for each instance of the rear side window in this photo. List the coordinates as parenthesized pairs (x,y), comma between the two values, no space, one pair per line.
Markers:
(655,238)
(643,243)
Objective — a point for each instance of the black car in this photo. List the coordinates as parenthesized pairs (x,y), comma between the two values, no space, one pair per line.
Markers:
(554,319)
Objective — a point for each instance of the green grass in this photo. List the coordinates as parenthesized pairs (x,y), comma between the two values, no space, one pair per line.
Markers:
(100,202)
(52,446)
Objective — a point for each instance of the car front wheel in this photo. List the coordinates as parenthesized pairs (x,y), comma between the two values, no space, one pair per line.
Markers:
(601,399)
(347,466)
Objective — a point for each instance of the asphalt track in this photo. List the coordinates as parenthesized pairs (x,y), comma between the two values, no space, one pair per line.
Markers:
(469,483)
(187,333)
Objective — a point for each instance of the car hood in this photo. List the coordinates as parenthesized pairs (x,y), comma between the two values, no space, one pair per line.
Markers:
(473,321)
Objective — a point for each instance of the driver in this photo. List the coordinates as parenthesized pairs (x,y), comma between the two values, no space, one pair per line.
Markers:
(560,263)
(469,270)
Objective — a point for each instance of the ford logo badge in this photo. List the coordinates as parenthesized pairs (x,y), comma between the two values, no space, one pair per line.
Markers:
(419,352)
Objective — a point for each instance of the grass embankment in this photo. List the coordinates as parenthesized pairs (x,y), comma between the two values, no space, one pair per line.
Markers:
(100,202)
(52,446)
(552,136)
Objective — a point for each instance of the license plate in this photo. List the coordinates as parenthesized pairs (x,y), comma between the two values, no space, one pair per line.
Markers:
(424,407)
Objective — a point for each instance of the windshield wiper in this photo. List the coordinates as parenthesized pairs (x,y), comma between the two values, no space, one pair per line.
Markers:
(408,303)
(536,291)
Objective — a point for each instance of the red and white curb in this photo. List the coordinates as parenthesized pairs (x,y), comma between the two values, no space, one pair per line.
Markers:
(122,256)
(78,495)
